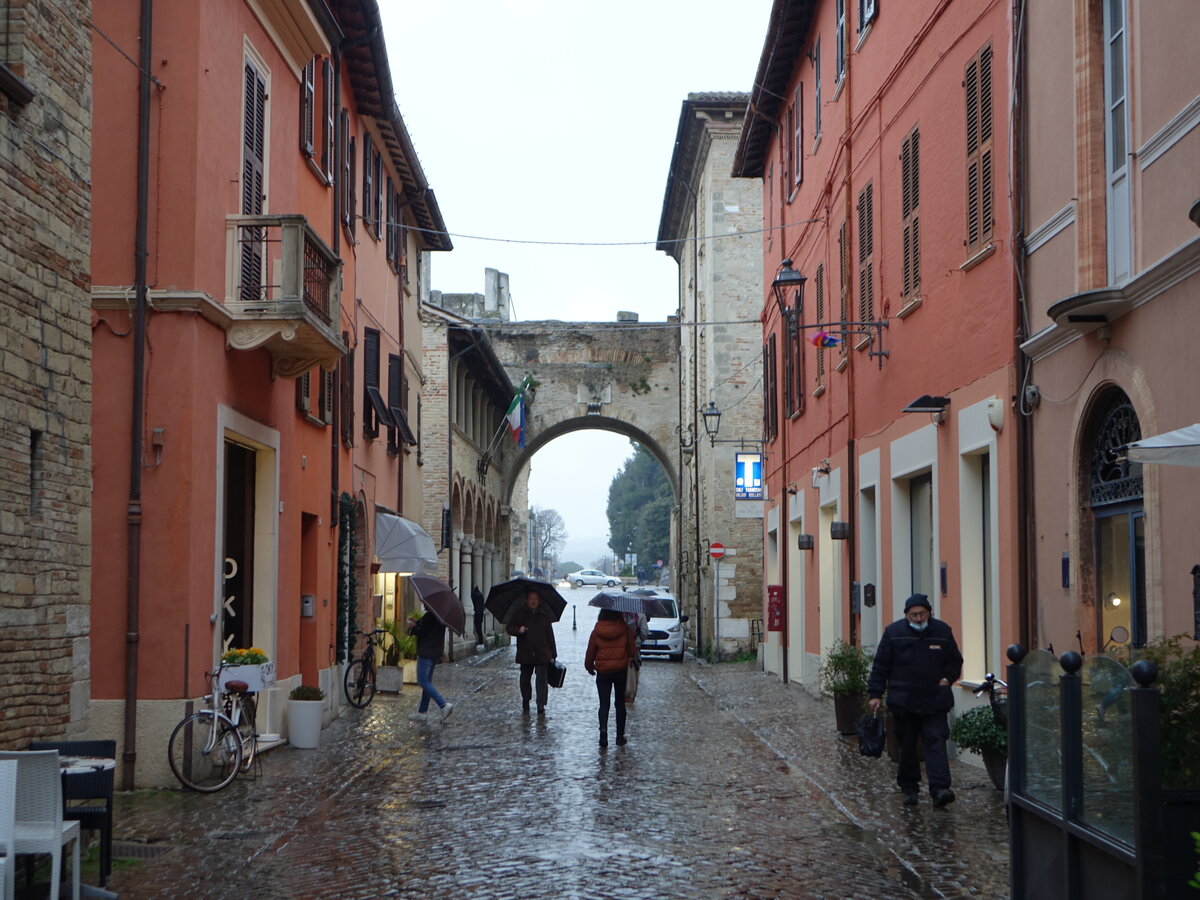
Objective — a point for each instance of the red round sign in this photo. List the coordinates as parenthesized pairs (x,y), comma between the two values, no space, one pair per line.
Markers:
(716,551)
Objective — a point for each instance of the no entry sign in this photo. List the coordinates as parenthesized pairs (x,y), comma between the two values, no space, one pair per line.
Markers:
(716,551)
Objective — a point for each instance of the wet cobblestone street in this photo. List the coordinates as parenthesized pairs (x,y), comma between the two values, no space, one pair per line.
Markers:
(732,785)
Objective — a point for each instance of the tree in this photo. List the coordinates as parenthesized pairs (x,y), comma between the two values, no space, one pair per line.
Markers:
(639,509)
(547,534)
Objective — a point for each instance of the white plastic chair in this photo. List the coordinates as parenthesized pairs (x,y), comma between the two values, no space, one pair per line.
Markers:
(8,821)
(39,814)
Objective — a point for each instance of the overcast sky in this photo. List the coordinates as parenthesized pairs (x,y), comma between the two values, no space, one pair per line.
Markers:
(545,121)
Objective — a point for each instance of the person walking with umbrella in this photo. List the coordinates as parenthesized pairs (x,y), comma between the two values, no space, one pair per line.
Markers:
(431,642)
(609,650)
(534,630)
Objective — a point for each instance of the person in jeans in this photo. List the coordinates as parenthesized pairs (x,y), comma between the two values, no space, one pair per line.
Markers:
(431,641)
(534,631)
(609,650)
(477,602)
(916,662)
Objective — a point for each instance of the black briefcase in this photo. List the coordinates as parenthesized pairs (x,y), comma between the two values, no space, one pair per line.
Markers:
(555,674)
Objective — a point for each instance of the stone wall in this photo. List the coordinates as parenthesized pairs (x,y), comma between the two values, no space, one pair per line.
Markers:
(45,371)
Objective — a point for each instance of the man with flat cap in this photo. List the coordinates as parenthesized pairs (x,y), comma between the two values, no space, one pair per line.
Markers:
(916,663)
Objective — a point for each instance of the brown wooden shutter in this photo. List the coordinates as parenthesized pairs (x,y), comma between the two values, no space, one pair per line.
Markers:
(328,389)
(346,377)
(789,374)
(308,101)
(910,164)
(329,114)
(389,226)
(798,139)
(843,280)
(253,169)
(368,213)
(304,392)
(370,380)
(821,318)
(866,257)
(396,399)
(770,391)
(977,85)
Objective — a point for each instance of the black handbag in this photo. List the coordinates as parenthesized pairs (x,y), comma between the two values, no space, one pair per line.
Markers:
(556,672)
(871,735)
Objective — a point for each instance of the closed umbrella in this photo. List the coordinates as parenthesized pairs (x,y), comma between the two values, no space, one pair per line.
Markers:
(507,597)
(439,598)
(634,602)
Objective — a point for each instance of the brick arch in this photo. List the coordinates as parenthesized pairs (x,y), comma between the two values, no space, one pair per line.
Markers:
(456,506)
(584,423)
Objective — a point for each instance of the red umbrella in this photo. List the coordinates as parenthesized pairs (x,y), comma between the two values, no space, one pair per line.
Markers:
(439,598)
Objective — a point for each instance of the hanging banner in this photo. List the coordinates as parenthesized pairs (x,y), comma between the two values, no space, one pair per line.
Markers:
(747,476)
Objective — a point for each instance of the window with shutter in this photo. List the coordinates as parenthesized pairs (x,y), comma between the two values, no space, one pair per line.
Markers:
(866,14)
(399,434)
(840,39)
(371,405)
(308,102)
(910,203)
(866,255)
(977,88)
(328,117)
(798,135)
(253,180)
(304,393)
(328,389)
(389,225)
(789,149)
(843,279)
(789,375)
(345,191)
(820,287)
(817,90)
(346,378)
(770,391)
(368,212)
(377,197)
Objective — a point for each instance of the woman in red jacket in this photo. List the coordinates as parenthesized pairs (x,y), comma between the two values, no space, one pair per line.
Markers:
(609,650)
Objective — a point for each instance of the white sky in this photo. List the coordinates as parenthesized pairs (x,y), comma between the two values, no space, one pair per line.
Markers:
(545,120)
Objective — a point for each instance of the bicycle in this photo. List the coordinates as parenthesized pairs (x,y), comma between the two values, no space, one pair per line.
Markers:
(359,680)
(208,748)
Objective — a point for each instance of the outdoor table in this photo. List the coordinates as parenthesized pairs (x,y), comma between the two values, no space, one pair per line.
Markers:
(86,765)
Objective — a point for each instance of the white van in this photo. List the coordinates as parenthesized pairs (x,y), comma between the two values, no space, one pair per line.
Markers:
(666,634)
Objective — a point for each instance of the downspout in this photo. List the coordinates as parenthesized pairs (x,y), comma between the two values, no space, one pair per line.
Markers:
(1026,510)
(851,449)
(134,510)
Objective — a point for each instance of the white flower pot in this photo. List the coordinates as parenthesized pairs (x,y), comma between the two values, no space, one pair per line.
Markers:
(304,723)
(258,677)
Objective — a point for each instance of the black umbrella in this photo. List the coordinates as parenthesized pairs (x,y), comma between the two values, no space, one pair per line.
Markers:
(634,602)
(507,597)
(439,598)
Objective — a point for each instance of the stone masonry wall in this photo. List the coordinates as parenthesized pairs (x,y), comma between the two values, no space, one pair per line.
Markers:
(45,373)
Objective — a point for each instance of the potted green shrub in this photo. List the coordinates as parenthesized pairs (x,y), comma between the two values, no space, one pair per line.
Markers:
(843,676)
(976,730)
(306,705)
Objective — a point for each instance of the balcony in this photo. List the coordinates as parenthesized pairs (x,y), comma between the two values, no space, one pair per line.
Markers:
(282,287)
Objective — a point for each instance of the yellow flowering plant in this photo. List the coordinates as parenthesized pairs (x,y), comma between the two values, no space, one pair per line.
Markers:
(239,656)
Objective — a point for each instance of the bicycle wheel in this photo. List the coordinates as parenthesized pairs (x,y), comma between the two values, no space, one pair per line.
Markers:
(204,752)
(359,684)
(247,731)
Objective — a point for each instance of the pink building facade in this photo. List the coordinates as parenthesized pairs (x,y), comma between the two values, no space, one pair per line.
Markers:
(880,134)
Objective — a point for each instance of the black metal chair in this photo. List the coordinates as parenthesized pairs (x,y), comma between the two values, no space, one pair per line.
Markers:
(88,796)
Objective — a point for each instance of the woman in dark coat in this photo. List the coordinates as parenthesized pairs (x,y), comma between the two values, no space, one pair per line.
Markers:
(536,649)
(609,650)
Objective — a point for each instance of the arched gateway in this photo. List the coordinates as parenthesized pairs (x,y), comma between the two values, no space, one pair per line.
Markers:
(615,376)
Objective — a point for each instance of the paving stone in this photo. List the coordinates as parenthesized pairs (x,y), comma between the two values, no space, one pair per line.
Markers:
(732,785)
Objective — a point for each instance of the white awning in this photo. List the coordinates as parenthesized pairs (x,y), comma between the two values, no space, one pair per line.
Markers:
(1180,447)
(403,546)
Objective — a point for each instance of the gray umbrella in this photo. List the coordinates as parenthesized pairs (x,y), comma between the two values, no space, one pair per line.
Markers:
(620,601)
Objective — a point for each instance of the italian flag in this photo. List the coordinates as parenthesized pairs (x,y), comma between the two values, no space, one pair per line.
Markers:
(516,416)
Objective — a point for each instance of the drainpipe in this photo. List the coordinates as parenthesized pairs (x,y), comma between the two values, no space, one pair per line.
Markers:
(851,449)
(1026,558)
(134,511)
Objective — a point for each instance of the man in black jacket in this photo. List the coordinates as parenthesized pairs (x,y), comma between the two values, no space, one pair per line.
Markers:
(916,663)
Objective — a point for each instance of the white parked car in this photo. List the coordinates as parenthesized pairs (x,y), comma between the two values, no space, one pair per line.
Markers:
(592,576)
(666,634)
